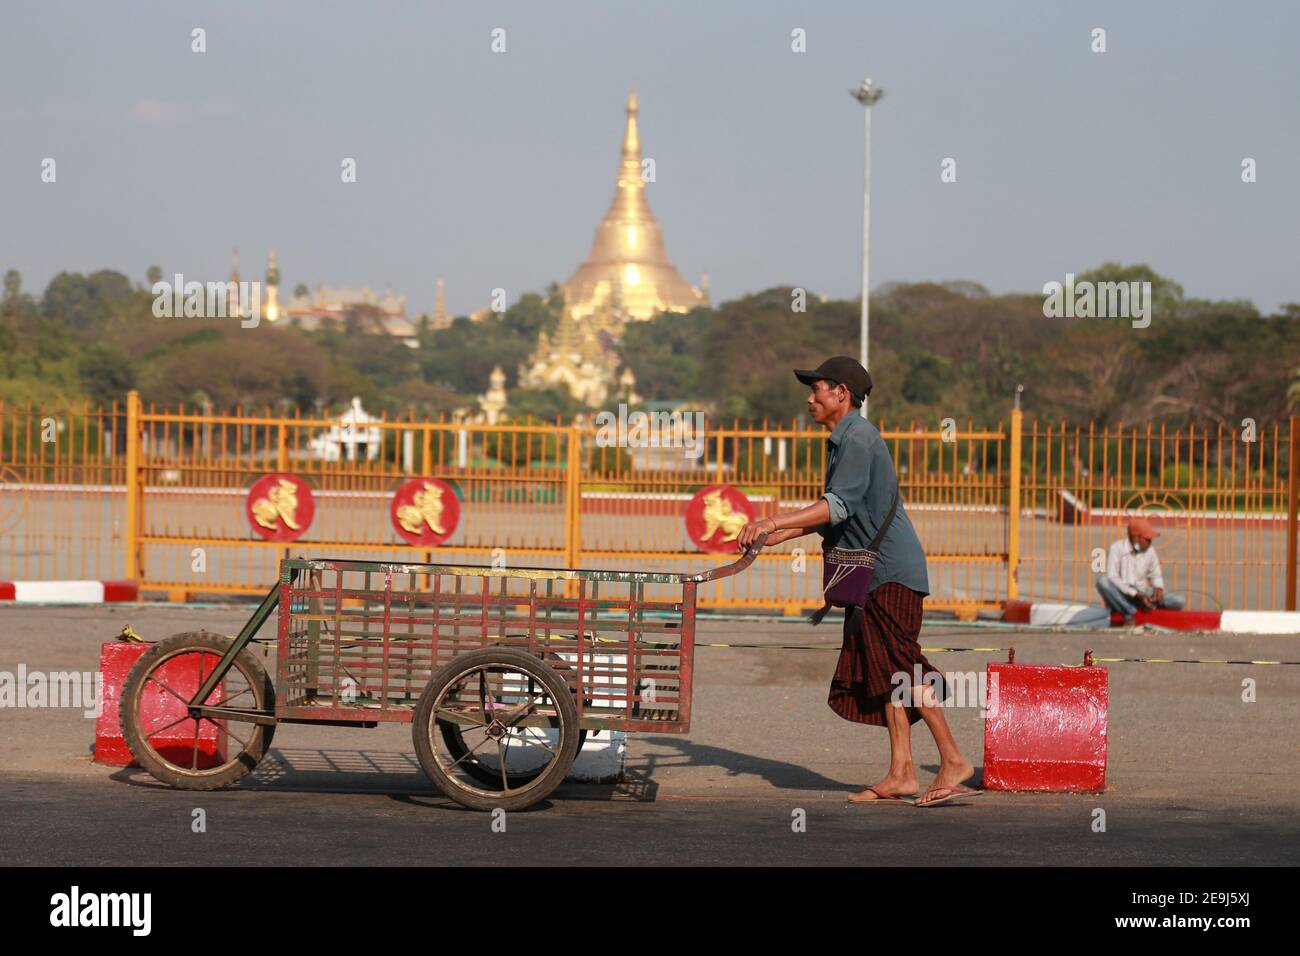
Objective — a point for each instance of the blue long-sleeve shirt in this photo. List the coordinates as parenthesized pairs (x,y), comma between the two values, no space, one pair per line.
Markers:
(859,488)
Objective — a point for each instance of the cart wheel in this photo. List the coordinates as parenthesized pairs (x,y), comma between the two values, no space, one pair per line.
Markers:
(182,751)
(498,698)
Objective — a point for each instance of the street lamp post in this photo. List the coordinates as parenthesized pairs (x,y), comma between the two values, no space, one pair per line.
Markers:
(867,95)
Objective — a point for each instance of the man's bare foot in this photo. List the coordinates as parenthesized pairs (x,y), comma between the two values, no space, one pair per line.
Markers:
(890,786)
(950,776)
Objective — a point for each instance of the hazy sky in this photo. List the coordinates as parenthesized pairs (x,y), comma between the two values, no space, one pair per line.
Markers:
(492,169)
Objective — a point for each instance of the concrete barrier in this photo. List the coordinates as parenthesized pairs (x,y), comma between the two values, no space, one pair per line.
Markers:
(1045,728)
(1050,614)
(69,592)
(159,708)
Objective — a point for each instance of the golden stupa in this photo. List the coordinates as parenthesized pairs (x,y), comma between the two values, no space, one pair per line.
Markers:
(627,268)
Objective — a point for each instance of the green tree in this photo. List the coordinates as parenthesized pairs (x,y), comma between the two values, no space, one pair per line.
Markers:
(1166,294)
(233,365)
(530,315)
(84,302)
(106,373)
(665,355)
(381,359)
(542,404)
(927,376)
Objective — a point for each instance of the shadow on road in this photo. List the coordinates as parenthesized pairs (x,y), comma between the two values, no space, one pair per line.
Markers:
(782,775)
(315,770)
(398,774)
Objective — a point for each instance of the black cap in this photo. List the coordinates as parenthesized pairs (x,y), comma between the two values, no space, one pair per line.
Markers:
(841,370)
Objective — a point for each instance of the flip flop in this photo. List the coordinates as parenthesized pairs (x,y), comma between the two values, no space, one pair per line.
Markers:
(952,794)
(880,798)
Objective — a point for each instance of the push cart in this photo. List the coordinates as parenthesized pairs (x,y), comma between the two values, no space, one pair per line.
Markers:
(502,672)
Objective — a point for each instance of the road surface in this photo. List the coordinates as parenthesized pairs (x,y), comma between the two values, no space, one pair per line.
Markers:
(1196,775)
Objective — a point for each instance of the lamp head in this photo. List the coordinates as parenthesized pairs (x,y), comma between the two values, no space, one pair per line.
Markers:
(868,93)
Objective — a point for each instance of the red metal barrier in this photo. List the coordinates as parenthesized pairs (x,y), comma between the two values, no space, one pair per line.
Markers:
(159,708)
(1045,727)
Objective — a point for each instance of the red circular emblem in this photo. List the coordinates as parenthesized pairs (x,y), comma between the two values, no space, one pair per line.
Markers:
(425,511)
(280,507)
(715,516)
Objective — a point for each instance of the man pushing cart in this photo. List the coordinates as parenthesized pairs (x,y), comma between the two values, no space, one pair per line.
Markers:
(866,534)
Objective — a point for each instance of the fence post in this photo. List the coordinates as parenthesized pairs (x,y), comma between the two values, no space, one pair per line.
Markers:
(134,514)
(1013,509)
(282,448)
(573,496)
(1292,485)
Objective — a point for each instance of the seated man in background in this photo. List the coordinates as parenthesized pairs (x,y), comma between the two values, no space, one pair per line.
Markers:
(1133,581)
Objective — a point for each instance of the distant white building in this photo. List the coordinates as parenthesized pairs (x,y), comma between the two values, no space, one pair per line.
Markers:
(353,436)
(323,306)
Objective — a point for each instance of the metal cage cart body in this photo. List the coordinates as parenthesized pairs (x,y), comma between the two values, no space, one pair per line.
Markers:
(502,672)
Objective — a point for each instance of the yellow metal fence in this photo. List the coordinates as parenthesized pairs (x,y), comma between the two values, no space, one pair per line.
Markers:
(1223,500)
(157,495)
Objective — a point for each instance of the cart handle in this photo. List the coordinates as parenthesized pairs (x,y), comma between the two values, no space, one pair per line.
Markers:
(727,570)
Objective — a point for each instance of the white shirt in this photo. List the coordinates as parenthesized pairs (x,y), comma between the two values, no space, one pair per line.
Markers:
(1131,569)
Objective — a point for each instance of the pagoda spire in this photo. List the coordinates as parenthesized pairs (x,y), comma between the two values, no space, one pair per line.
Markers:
(627,254)
(440,318)
(232,289)
(272,309)
(631,138)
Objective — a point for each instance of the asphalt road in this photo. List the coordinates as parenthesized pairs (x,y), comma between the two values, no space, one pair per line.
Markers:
(1196,775)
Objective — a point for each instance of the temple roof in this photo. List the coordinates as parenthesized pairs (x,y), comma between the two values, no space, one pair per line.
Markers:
(628,266)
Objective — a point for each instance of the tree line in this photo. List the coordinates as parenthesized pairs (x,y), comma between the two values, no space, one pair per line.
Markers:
(938,350)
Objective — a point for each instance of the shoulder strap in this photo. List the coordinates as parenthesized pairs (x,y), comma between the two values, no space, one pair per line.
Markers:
(889,519)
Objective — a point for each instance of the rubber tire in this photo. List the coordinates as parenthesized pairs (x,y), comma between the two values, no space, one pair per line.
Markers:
(259,741)
(423,726)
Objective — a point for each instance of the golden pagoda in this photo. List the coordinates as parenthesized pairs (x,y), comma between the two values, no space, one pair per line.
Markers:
(626,276)
(628,267)
(581,355)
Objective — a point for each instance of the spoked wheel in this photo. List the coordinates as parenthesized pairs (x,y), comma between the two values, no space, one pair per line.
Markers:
(175,746)
(523,761)
(501,701)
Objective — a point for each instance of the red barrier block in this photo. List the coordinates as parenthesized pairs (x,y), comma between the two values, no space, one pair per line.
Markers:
(159,708)
(121,590)
(1016,612)
(1045,728)
(1174,620)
